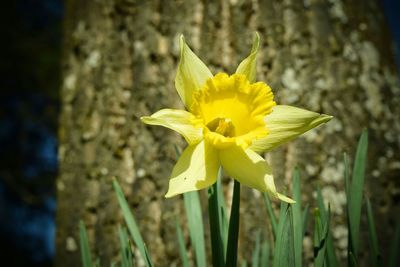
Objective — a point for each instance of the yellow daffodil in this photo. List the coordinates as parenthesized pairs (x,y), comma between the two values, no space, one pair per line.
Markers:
(229,120)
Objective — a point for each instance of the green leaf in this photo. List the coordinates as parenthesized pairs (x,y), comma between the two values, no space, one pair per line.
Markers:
(233,237)
(196,228)
(131,223)
(376,257)
(305,214)
(217,248)
(356,191)
(265,254)
(85,249)
(331,258)
(181,243)
(223,214)
(126,252)
(284,244)
(256,252)
(321,230)
(346,176)
(352,259)
(297,219)
(271,214)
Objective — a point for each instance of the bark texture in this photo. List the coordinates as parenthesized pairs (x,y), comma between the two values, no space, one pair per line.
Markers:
(120,58)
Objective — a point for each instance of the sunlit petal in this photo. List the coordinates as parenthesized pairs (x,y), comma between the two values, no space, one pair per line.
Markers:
(250,169)
(286,123)
(180,121)
(248,65)
(191,75)
(197,168)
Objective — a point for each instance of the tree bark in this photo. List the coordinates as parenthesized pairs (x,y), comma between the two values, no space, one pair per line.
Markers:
(120,58)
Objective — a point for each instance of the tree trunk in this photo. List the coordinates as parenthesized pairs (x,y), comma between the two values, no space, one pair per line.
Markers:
(120,58)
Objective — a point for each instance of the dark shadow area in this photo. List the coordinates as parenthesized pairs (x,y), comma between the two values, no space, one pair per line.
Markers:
(391,9)
(30,77)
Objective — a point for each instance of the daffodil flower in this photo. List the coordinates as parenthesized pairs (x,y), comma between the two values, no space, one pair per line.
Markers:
(230,119)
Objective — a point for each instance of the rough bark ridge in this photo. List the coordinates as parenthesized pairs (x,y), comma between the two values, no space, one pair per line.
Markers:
(120,58)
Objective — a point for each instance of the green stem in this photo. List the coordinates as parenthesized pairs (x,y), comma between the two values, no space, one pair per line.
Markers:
(233,235)
(215,230)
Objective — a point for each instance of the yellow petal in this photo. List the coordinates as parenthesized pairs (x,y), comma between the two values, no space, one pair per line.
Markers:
(248,65)
(178,120)
(286,123)
(285,198)
(191,75)
(197,168)
(250,169)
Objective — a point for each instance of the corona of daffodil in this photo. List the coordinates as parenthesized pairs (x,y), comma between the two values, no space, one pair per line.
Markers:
(230,119)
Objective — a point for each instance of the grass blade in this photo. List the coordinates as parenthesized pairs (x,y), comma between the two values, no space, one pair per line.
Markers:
(376,257)
(233,236)
(126,253)
(131,223)
(284,247)
(85,249)
(265,254)
(217,248)
(355,191)
(256,252)
(346,175)
(331,257)
(321,231)
(196,228)
(181,243)
(305,214)
(271,214)
(297,219)
(223,214)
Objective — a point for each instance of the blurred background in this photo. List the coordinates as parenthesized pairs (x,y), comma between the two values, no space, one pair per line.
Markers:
(30,64)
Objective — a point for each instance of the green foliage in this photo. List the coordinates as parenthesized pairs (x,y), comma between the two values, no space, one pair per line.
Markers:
(321,230)
(195,224)
(223,219)
(395,248)
(272,217)
(256,252)
(126,252)
(284,243)
(297,219)
(376,257)
(131,223)
(214,215)
(181,243)
(265,254)
(354,194)
(85,249)
(233,234)
(331,259)
(288,229)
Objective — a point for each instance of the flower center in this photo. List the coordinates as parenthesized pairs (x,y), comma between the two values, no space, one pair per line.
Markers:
(232,110)
(223,126)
